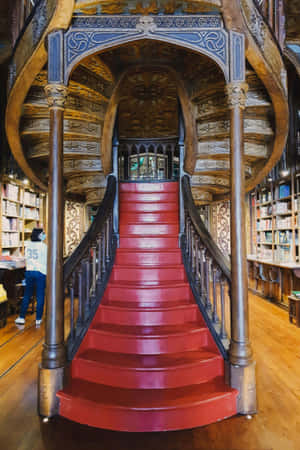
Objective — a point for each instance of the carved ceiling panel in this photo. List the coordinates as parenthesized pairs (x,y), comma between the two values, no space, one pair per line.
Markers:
(148,105)
(292,20)
(145,7)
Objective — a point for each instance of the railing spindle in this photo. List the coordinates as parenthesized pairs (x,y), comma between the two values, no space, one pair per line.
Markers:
(94,269)
(80,293)
(207,280)
(223,329)
(71,295)
(99,259)
(215,297)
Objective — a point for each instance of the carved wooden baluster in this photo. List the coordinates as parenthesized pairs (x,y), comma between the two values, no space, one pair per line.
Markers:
(103,242)
(107,255)
(215,297)
(202,281)
(129,153)
(80,293)
(72,306)
(94,269)
(138,161)
(156,162)
(86,263)
(99,258)
(193,251)
(207,280)
(197,271)
(165,163)
(147,162)
(172,163)
(111,236)
(189,238)
(223,329)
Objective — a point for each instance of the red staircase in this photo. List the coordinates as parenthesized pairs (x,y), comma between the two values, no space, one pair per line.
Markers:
(148,361)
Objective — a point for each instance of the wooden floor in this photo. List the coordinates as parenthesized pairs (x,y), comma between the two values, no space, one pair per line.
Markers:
(275,427)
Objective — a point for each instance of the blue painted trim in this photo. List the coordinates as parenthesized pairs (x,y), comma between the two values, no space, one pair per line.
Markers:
(204,34)
(237,56)
(55,57)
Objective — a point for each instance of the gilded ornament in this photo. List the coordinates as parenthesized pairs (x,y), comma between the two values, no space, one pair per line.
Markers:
(237,94)
(56,95)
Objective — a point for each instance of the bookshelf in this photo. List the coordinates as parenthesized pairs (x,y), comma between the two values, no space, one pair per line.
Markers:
(275,220)
(22,209)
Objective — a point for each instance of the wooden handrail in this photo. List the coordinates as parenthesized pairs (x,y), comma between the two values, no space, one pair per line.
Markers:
(103,211)
(202,231)
(87,270)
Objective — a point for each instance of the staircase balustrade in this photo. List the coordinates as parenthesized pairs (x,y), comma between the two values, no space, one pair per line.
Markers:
(148,160)
(87,270)
(208,271)
(273,12)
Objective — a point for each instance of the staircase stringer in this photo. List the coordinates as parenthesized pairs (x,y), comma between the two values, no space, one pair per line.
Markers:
(28,60)
(263,54)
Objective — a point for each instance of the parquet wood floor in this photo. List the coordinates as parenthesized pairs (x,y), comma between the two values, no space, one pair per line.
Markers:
(276,427)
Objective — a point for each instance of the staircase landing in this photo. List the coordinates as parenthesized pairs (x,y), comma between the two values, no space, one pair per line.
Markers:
(148,361)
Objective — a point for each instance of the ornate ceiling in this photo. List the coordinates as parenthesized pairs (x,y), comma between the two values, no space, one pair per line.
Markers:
(145,6)
(292,8)
(148,106)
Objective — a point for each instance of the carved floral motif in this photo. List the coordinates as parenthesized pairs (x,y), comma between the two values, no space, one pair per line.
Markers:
(74,213)
(56,95)
(237,94)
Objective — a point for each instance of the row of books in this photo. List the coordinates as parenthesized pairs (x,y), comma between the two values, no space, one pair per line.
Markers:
(283,237)
(283,254)
(265,253)
(31,213)
(9,208)
(10,191)
(265,224)
(284,222)
(10,223)
(266,196)
(31,199)
(10,239)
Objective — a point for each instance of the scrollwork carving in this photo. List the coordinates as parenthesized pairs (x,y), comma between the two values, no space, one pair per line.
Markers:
(56,95)
(237,94)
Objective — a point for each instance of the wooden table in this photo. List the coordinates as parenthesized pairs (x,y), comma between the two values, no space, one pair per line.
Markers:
(294,310)
(292,267)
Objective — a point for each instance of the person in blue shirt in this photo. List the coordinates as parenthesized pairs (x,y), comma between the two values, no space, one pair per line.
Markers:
(35,274)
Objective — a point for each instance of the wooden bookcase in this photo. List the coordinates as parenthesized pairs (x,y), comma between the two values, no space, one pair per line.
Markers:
(22,209)
(275,220)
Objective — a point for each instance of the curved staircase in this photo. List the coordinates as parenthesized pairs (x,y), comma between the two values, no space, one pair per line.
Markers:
(148,361)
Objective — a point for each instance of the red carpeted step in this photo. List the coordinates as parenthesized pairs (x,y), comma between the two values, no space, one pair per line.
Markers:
(141,274)
(146,340)
(149,187)
(170,217)
(148,361)
(138,410)
(133,292)
(148,197)
(149,242)
(149,229)
(154,371)
(148,207)
(159,314)
(148,257)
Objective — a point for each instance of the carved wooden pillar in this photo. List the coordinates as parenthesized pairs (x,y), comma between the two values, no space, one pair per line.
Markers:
(53,356)
(240,349)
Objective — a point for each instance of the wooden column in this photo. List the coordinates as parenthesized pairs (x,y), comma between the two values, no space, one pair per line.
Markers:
(53,355)
(240,351)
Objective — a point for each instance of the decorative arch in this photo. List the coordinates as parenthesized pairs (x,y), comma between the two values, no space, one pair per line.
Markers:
(203,34)
(190,128)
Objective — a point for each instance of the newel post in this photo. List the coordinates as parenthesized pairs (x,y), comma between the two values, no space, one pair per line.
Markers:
(54,353)
(242,366)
